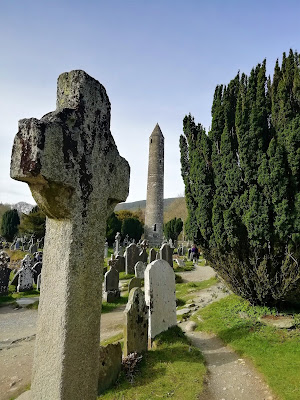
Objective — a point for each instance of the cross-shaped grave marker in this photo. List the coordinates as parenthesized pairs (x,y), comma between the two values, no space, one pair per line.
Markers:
(70,161)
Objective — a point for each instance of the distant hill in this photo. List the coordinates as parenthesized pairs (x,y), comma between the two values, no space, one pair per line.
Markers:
(141,204)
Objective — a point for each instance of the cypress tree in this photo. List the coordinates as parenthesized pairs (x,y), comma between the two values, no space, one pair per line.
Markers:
(242,183)
(10,223)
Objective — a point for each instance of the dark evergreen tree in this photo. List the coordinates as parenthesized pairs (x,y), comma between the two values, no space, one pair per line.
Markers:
(10,223)
(173,228)
(113,226)
(242,183)
(133,228)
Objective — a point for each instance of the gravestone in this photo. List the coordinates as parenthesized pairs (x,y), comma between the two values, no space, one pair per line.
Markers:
(106,250)
(111,285)
(136,323)
(33,248)
(18,244)
(38,283)
(117,243)
(73,168)
(36,270)
(4,273)
(143,256)
(120,263)
(152,256)
(25,275)
(160,297)
(110,361)
(38,256)
(180,262)
(134,282)
(166,253)
(139,269)
(132,257)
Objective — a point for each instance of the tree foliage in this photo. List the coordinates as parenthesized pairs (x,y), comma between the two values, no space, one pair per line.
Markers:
(133,228)
(127,223)
(242,183)
(173,228)
(34,222)
(9,225)
(113,226)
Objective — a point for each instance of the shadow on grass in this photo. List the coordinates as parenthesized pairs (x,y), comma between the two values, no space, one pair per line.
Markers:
(172,357)
(108,307)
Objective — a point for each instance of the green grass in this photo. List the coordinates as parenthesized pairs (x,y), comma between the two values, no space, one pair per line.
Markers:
(185,290)
(108,307)
(33,306)
(12,295)
(184,268)
(172,368)
(275,352)
(123,275)
(116,338)
(15,255)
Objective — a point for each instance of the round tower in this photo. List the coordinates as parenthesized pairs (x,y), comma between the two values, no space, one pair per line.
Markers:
(154,215)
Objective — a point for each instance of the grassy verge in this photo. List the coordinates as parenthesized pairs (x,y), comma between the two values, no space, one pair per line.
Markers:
(12,296)
(185,290)
(172,369)
(116,338)
(123,275)
(275,352)
(108,307)
(188,266)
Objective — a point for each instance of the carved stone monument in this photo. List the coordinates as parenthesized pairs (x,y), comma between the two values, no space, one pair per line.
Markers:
(4,273)
(160,297)
(70,161)
(136,323)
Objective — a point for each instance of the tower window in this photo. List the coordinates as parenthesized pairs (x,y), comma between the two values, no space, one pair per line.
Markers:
(150,140)
(154,228)
(160,161)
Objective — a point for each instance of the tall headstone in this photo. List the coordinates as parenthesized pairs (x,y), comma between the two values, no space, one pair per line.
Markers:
(36,270)
(39,282)
(117,243)
(152,255)
(4,273)
(111,285)
(143,256)
(139,269)
(25,281)
(105,250)
(155,189)
(160,297)
(76,175)
(166,253)
(120,263)
(131,258)
(136,323)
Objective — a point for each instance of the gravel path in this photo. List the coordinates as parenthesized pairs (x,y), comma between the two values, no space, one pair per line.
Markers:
(230,377)
(17,338)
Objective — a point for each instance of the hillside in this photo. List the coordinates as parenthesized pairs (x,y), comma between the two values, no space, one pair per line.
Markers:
(135,205)
(173,207)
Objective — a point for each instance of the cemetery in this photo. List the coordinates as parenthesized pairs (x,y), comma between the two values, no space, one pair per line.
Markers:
(103,301)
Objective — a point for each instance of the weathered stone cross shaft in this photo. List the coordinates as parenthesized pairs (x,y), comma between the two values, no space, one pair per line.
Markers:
(76,175)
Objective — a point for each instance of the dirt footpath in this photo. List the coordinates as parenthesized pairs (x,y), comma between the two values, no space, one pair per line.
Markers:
(229,376)
(17,338)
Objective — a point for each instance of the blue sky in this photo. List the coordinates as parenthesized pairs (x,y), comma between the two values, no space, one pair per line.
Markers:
(158,61)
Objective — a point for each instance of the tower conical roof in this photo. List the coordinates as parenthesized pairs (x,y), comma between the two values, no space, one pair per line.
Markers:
(157,131)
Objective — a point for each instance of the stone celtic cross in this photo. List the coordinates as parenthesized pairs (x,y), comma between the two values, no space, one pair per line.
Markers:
(76,175)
